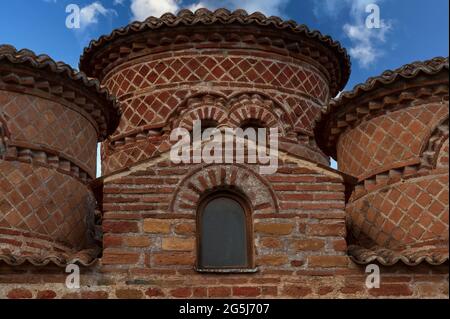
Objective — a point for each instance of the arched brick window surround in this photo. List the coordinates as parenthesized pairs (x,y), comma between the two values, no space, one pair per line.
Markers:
(232,177)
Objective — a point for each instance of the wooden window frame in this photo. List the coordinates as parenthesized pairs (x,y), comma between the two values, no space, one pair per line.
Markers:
(242,201)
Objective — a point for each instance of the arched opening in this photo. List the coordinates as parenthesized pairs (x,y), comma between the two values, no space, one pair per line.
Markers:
(204,125)
(224,238)
(254,125)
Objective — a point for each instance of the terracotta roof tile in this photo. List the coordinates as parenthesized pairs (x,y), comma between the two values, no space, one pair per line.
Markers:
(433,255)
(221,16)
(407,71)
(85,258)
(10,55)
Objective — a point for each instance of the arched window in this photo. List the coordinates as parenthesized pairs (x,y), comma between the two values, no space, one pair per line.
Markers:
(254,124)
(224,240)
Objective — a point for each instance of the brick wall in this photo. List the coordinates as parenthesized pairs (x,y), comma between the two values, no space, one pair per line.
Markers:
(48,156)
(159,84)
(400,156)
(396,282)
(297,215)
(50,120)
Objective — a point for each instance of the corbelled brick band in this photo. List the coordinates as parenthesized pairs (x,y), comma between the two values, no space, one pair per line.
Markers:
(154,67)
(392,133)
(51,119)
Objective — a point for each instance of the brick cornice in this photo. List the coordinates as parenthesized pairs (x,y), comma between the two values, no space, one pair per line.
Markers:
(27,153)
(25,72)
(221,28)
(341,116)
(392,176)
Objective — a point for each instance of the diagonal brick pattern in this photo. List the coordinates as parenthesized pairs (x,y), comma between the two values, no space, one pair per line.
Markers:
(157,87)
(41,201)
(217,68)
(44,123)
(407,213)
(383,142)
(296,110)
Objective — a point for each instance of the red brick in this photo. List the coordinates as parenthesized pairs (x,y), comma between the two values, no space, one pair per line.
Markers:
(296,291)
(129,294)
(391,290)
(181,292)
(19,293)
(154,292)
(46,294)
(327,261)
(94,294)
(274,228)
(120,227)
(119,257)
(246,291)
(219,291)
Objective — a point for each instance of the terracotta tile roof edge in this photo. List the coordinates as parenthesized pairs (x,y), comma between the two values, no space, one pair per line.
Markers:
(222,16)
(85,258)
(407,71)
(412,257)
(27,57)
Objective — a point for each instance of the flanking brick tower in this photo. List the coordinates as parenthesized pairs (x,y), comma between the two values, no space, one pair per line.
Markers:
(51,118)
(392,134)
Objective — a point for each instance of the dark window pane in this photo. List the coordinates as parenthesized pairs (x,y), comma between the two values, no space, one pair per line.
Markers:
(223,235)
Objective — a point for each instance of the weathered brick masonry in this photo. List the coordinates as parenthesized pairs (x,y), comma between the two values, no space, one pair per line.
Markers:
(51,119)
(312,228)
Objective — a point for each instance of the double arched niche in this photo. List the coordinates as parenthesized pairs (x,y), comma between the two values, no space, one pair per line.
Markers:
(224,199)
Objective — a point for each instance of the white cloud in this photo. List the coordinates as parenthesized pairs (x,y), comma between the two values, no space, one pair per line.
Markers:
(117,2)
(268,7)
(366,48)
(142,9)
(367,44)
(90,13)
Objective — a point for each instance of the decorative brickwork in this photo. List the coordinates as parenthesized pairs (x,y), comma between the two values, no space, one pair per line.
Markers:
(308,228)
(226,53)
(51,119)
(391,133)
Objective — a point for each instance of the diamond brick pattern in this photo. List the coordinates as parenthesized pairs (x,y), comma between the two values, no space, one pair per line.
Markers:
(231,112)
(217,68)
(40,201)
(154,96)
(127,157)
(44,123)
(380,143)
(404,214)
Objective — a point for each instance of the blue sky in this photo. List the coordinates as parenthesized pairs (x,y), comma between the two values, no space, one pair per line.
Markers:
(410,29)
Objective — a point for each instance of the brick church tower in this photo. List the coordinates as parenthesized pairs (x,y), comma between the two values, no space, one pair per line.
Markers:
(177,230)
